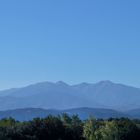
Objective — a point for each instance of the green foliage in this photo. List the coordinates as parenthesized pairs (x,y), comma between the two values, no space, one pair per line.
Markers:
(89,129)
(65,127)
(109,131)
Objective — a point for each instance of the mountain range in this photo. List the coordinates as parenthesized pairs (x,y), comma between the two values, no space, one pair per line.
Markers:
(59,95)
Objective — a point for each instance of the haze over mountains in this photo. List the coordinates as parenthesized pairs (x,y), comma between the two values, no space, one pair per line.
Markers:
(48,95)
(83,113)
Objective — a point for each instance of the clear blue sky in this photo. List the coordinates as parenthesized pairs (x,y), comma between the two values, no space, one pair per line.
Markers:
(70,40)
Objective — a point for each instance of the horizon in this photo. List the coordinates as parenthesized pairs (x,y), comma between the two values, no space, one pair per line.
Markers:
(69,84)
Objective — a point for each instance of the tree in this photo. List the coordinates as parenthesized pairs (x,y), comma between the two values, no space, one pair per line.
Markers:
(89,129)
(108,132)
(127,129)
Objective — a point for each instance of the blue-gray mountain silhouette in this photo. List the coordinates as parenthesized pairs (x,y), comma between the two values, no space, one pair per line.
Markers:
(60,95)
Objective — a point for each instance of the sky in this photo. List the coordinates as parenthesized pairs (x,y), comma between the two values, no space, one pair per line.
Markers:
(69,40)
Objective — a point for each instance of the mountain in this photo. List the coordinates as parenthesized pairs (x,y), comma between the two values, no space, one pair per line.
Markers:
(59,95)
(135,113)
(84,113)
(99,113)
(28,113)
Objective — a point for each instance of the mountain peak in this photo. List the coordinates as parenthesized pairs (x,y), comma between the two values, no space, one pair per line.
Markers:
(105,82)
(84,84)
(61,83)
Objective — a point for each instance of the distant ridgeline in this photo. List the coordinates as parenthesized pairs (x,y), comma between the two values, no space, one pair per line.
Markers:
(83,113)
(48,95)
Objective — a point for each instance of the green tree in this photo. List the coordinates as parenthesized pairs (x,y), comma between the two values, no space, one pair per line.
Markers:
(89,128)
(108,132)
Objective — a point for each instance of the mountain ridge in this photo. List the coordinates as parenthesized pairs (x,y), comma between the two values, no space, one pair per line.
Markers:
(60,95)
(25,114)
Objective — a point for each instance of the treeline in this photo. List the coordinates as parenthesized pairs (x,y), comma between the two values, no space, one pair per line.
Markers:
(65,127)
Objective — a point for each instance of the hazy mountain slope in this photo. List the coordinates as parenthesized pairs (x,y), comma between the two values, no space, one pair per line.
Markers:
(116,96)
(28,113)
(96,112)
(60,95)
(84,113)
(134,113)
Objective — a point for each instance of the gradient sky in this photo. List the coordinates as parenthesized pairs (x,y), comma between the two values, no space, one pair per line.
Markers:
(70,40)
